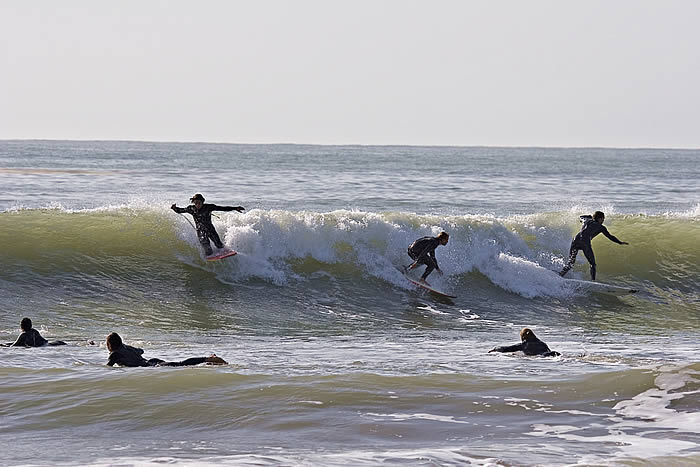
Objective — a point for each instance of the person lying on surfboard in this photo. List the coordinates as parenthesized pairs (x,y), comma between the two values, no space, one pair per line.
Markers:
(422,251)
(126,355)
(30,337)
(202,219)
(530,345)
(591,227)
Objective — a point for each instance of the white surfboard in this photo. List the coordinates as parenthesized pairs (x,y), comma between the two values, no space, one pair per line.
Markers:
(602,287)
(426,286)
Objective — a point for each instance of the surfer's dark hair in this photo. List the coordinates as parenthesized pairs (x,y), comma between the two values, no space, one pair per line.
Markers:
(526,334)
(25,324)
(598,215)
(114,341)
(197,196)
(442,235)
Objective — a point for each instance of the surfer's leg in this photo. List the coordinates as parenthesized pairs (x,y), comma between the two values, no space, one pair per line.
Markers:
(430,266)
(588,251)
(413,256)
(204,241)
(188,362)
(214,237)
(573,252)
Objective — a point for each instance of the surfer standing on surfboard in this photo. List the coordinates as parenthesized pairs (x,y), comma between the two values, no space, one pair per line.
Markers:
(201,213)
(422,251)
(592,226)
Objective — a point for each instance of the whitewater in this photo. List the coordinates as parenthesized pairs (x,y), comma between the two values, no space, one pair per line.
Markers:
(334,358)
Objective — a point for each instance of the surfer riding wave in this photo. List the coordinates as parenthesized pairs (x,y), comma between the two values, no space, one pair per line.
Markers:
(422,251)
(592,226)
(201,213)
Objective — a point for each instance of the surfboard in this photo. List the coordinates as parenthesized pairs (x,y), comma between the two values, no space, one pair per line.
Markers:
(223,254)
(603,288)
(426,286)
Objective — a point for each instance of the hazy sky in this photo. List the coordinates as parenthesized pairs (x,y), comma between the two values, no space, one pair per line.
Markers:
(506,73)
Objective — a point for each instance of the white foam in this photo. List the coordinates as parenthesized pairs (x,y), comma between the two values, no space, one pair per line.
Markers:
(418,416)
(269,242)
(647,413)
(693,213)
(652,405)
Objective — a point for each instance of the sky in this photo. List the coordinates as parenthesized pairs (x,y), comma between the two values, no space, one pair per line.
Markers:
(623,73)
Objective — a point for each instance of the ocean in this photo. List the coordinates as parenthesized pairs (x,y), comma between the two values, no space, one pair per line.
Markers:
(334,358)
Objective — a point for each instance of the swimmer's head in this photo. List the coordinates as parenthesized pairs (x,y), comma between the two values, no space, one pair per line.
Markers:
(114,341)
(25,324)
(527,335)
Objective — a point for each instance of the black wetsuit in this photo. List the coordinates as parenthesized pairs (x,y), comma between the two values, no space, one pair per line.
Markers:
(528,347)
(422,251)
(202,220)
(32,338)
(582,241)
(127,355)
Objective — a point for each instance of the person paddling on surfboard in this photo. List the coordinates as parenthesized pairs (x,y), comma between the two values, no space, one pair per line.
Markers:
(202,219)
(422,251)
(591,227)
(530,345)
(126,355)
(30,337)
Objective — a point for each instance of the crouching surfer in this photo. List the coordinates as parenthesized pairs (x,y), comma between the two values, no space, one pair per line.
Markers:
(529,345)
(422,251)
(592,226)
(126,355)
(201,213)
(30,337)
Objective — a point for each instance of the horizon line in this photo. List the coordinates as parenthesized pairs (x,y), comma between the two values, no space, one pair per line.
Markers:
(92,140)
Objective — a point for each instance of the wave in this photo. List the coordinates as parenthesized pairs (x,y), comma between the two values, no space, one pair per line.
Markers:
(516,253)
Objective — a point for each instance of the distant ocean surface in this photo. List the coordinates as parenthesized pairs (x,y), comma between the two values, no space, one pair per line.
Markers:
(335,359)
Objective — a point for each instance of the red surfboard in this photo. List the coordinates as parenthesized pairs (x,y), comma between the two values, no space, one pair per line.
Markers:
(223,254)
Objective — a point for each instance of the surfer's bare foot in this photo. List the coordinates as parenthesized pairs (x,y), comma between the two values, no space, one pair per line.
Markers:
(423,281)
(214,360)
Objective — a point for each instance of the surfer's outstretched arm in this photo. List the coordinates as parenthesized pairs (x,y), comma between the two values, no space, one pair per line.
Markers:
(178,210)
(507,348)
(613,238)
(227,208)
